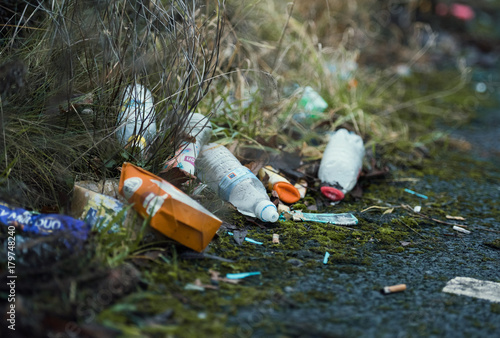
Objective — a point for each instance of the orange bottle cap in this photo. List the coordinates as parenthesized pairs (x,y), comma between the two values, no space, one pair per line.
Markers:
(287,192)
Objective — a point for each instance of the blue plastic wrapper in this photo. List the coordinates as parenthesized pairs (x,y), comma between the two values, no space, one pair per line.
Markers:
(43,224)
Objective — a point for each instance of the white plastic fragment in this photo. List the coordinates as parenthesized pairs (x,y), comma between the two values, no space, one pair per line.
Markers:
(417,208)
(460,229)
(472,287)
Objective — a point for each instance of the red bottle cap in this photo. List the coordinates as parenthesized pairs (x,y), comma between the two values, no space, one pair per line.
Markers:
(332,193)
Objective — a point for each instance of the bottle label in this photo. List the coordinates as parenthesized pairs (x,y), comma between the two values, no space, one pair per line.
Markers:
(184,158)
(228,182)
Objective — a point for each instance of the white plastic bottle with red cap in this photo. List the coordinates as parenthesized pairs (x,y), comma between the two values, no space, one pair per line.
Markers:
(218,168)
(341,164)
(137,118)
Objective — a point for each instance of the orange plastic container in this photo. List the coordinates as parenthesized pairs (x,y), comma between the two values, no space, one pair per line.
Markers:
(172,212)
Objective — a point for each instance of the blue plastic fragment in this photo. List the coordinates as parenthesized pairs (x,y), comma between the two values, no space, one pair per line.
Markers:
(416,193)
(247,239)
(327,255)
(242,275)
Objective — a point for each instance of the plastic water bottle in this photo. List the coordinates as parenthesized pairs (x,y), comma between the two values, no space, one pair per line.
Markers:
(137,118)
(341,164)
(222,172)
(199,128)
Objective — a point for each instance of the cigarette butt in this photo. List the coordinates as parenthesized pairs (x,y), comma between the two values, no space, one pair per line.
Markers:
(276,239)
(456,218)
(394,288)
(459,229)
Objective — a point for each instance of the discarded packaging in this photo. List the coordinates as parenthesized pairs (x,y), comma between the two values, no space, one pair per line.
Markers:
(242,275)
(285,190)
(108,187)
(325,259)
(394,288)
(223,173)
(183,163)
(341,164)
(312,105)
(337,219)
(472,287)
(98,210)
(170,210)
(42,224)
(460,229)
(276,239)
(137,118)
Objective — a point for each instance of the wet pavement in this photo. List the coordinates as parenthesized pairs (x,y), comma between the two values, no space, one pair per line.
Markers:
(345,299)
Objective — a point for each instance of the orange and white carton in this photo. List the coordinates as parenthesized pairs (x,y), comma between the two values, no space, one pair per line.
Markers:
(170,210)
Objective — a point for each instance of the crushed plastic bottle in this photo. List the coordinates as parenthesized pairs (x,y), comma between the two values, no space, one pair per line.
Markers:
(223,173)
(137,118)
(341,164)
(199,128)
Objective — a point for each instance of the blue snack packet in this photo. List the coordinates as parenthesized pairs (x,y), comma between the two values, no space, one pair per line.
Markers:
(43,224)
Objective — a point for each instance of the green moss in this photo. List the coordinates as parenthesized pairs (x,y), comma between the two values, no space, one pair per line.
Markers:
(495,244)
(298,206)
(495,308)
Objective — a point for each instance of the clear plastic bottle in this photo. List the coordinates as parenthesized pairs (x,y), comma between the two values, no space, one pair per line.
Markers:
(341,164)
(218,168)
(137,118)
(199,128)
